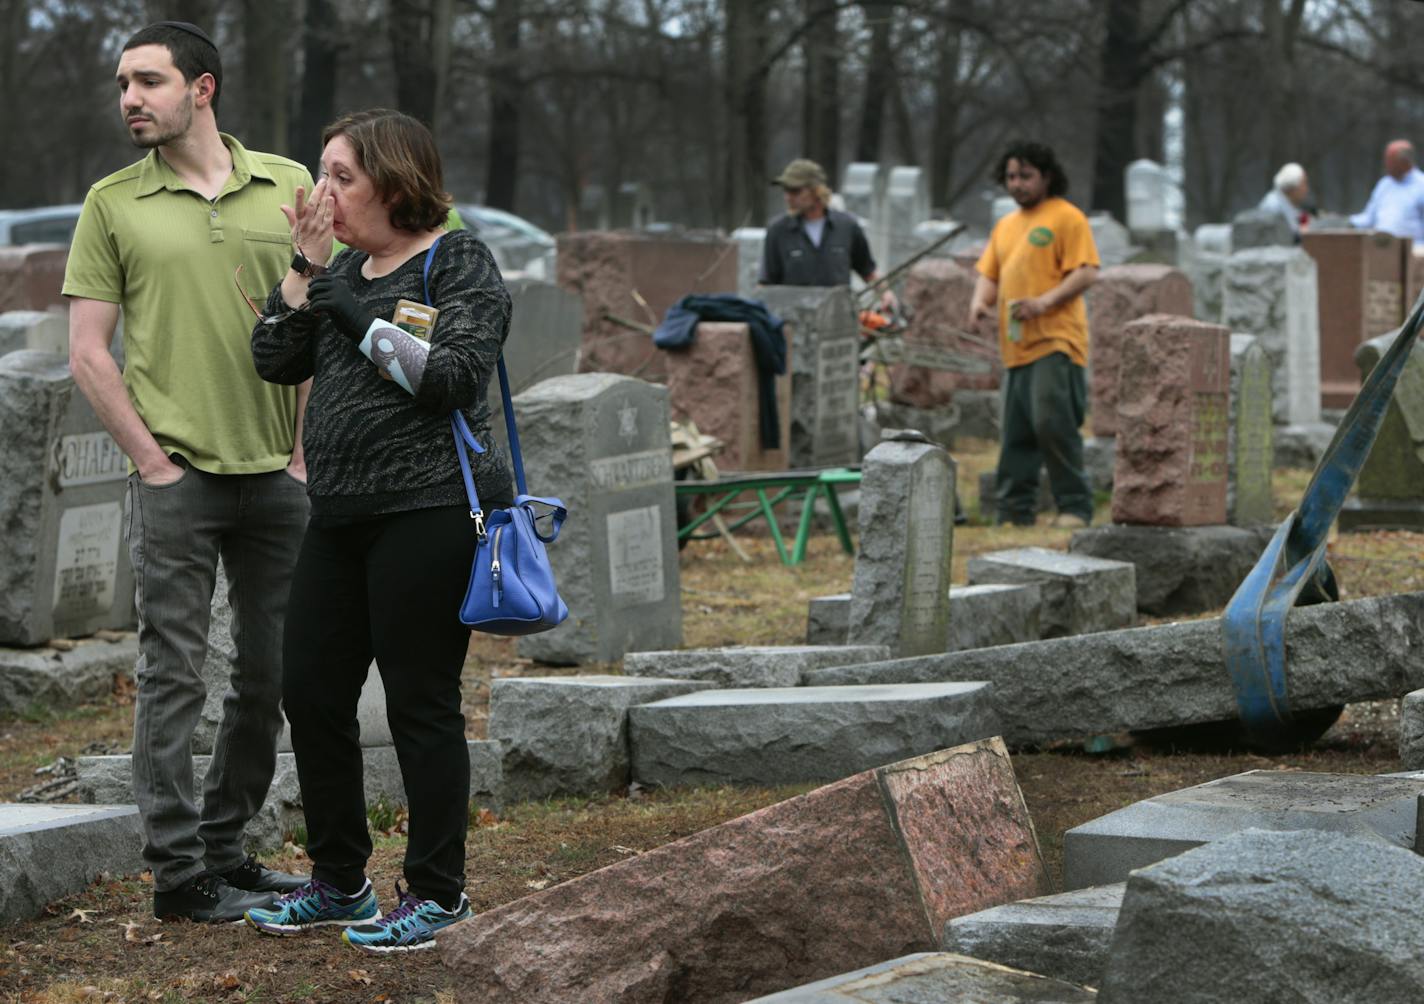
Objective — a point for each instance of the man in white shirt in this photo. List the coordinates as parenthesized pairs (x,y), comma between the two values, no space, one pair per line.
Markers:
(1396,205)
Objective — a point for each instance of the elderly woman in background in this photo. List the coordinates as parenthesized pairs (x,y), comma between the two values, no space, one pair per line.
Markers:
(387,553)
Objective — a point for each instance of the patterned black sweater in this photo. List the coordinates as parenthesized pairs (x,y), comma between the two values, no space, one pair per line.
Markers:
(370,446)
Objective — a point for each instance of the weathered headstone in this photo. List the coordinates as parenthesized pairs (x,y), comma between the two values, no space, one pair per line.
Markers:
(938,355)
(907,204)
(40,330)
(64,569)
(1106,849)
(1214,238)
(1173,401)
(1147,185)
(31,276)
(48,852)
(611,270)
(1260,228)
(1112,239)
(823,338)
(935,977)
(1124,293)
(1207,272)
(751,246)
(1271,292)
(863,190)
(1265,917)
(979,617)
(713,383)
(1390,489)
(1080,594)
(851,874)
(1411,730)
(55,679)
(545,331)
(1362,277)
(600,442)
(1252,444)
(749,665)
(900,590)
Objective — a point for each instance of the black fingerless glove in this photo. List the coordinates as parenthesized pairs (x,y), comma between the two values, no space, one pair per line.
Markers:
(330,295)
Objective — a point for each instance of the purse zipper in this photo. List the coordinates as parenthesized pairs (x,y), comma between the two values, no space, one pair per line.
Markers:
(495,587)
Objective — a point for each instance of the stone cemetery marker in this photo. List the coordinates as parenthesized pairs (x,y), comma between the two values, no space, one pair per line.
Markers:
(1252,442)
(714,383)
(751,245)
(1207,272)
(1147,187)
(1390,489)
(1213,237)
(40,330)
(938,355)
(607,268)
(823,337)
(600,442)
(545,331)
(31,276)
(1124,293)
(1271,293)
(934,976)
(1362,276)
(1173,400)
(1260,228)
(64,568)
(632,207)
(900,590)
(1112,239)
(907,204)
(863,189)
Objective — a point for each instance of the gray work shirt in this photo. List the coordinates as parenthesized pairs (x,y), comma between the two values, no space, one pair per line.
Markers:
(790,259)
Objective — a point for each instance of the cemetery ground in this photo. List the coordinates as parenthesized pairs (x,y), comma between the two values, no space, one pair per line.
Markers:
(104,945)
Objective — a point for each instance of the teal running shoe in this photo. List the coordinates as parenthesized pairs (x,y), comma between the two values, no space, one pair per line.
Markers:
(315,904)
(410,927)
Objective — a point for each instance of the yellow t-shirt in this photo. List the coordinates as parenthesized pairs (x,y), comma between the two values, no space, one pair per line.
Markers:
(1030,252)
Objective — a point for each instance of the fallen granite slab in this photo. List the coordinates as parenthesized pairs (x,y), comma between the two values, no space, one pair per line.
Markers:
(48,852)
(1179,570)
(1411,730)
(938,977)
(749,665)
(1261,918)
(1065,936)
(109,779)
(1171,674)
(55,678)
(1106,849)
(569,734)
(793,735)
(979,616)
(1080,594)
(848,875)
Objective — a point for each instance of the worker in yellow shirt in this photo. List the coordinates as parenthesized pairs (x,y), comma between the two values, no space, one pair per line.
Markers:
(1039,261)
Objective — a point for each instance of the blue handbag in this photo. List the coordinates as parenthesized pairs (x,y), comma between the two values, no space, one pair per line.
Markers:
(511,590)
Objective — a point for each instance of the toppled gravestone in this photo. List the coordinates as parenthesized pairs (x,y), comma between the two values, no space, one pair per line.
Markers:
(848,875)
(1106,849)
(1411,730)
(64,678)
(51,851)
(1264,917)
(749,665)
(1081,594)
(1065,936)
(979,616)
(938,977)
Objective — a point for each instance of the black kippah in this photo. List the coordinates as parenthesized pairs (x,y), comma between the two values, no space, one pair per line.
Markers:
(191,29)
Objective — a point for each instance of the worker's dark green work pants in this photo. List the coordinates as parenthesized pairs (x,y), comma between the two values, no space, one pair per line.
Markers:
(1043,405)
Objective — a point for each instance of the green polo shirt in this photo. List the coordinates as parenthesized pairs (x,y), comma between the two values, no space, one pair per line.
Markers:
(150,243)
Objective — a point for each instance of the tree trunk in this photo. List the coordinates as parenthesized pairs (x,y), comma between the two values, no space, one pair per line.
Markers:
(1278,81)
(14,19)
(203,13)
(746,173)
(877,81)
(502,179)
(317,106)
(265,25)
(410,29)
(1119,76)
(821,113)
(945,121)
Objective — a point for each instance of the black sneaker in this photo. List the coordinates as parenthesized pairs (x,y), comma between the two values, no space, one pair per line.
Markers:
(252,877)
(207,899)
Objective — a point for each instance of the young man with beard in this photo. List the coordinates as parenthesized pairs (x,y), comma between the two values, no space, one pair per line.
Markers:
(1039,261)
(216,466)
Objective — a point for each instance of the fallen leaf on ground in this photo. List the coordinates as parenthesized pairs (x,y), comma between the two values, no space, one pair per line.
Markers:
(81,915)
(132,935)
(537,883)
(227,981)
(359,976)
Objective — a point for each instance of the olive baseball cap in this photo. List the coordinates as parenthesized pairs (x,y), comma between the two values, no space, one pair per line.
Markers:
(800,174)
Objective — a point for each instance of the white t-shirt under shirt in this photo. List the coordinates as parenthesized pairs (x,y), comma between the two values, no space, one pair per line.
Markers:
(814,229)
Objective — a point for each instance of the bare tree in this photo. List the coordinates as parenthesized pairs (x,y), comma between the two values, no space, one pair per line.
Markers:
(316,106)
(820,112)
(502,179)
(266,97)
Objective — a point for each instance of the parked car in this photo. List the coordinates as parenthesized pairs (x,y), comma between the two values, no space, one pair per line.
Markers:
(517,244)
(46,225)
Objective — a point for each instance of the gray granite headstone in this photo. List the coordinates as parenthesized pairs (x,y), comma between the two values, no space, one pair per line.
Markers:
(907,203)
(751,245)
(64,568)
(900,590)
(1147,185)
(1213,237)
(48,852)
(545,332)
(1260,228)
(825,372)
(1390,490)
(1251,445)
(934,978)
(1207,270)
(40,330)
(600,442)
(1112,239)
(1271,292)
(864,193)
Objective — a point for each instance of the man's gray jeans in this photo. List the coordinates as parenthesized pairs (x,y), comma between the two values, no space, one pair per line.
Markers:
(175,534)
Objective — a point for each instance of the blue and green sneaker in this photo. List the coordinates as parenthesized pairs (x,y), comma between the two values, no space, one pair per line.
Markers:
(315,904)
(407,928)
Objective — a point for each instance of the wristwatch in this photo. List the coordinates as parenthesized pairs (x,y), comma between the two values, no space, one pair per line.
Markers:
(305,267)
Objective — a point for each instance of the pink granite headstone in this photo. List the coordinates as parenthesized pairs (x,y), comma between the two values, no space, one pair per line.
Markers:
(1172,410)
(31,276)
(863,870)
(613,269)
(937,293)
(1124,293)
(713,382)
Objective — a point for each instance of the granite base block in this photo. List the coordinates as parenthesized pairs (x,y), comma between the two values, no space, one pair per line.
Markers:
(1065,936)
(798,734)
(979,617)
(54,679)
(1302,446)
(1106,849)
(937,977)
(1411,730)
(48,852)
(1359,514)
(749,665)
(1080,594)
